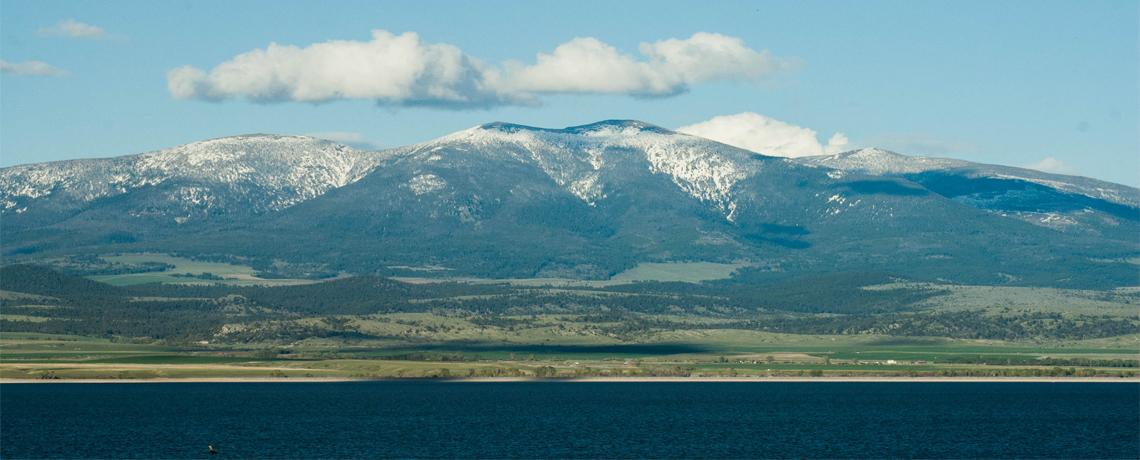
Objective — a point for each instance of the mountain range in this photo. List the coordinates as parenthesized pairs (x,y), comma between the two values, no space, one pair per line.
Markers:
(504,200)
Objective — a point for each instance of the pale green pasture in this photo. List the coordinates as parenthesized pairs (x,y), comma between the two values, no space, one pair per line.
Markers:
(9,296)
(536,282)
(240,275)
(143,278)
(127,371)
(31,345)
(136,278)
(562,330)
(182,265)
(1048,300)
(6,336)
(459,330)
(689,272)
(38,306)
(32,319)
(1123,342)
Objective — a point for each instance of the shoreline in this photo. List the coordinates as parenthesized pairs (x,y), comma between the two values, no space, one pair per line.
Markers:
(594,380)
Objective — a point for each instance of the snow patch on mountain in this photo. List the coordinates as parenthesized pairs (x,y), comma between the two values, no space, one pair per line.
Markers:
(881,162)
(425,183)
(1118,194)
(285,169)
(884,163)
(582,159)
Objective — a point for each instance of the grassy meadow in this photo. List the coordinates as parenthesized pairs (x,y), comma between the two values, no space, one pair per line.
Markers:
(230,274)
(469,351)
(241,275)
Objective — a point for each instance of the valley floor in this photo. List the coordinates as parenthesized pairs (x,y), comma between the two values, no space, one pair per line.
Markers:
(29,356)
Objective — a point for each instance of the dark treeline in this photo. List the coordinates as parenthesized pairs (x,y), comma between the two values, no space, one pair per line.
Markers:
(90,264)
(83,307)
(1024,372)
(962,324)
(358,295)
(181,320)
(202,276)
(31,279)
(1078,362)
(841,293)
(289,331)
(439,357)
(965,324)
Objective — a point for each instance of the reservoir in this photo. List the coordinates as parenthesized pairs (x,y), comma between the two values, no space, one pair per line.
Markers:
(441,419)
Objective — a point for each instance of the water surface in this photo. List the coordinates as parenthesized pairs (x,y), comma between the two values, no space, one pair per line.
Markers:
(416,419)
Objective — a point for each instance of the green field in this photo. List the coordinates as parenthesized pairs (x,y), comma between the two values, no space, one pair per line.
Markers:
(688,272)
(235,275)
(484,352)
(34,319)
(1121,302)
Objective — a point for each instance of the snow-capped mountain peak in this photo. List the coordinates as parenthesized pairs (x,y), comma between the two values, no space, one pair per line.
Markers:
(590,159)
(882,162)
(275,171)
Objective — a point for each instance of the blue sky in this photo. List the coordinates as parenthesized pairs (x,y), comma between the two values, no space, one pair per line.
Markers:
(1051,84)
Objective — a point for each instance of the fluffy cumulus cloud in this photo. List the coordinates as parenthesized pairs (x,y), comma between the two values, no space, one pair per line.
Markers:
(37,68)
(706,57)
(347,138)
(1053,165)
(73,29)
(403,70)
(764,135)
(394,70)
(586,65)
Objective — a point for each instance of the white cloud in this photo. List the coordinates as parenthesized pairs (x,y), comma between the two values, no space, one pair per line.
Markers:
(586,65)
(764,135)
(1055,166)
(393,70)
(183,81)
(406,71)
(836,144)
(706,57)
(42,69)
(73,29)
(347,138)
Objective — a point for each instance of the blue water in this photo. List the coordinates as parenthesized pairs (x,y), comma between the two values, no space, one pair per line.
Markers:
(571,420)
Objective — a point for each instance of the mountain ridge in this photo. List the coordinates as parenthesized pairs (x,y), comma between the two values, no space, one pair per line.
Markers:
(507,200)
(266,172)
(1060,202)
(886,163)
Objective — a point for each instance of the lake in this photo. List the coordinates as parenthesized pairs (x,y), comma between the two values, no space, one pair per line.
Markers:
(432,419)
